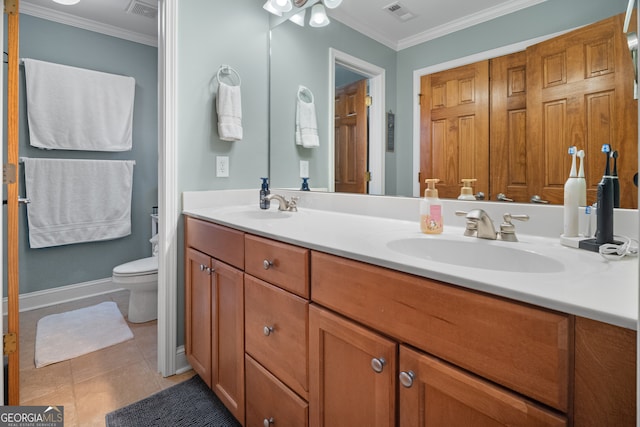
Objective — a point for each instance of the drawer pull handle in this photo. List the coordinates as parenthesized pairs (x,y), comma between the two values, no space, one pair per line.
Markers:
(267,264)
(267,330)
(268,421)
(406,378)
(377,364)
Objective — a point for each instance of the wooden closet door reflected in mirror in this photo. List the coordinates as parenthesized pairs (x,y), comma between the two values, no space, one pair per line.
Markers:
(454,128)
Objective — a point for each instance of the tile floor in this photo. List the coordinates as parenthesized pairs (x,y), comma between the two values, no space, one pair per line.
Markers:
(95,384)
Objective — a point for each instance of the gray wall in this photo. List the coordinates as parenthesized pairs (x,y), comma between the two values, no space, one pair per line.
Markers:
(300,56)
(212,33)
(48,268)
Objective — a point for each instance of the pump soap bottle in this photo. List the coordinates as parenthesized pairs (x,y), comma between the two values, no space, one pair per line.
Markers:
(431,209)
(466,193)
(264,192)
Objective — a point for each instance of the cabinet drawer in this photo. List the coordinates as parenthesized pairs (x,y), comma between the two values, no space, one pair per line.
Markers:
(454,398)
(268,398)
(519,346)
(215,240)
(281,264)
(282,349)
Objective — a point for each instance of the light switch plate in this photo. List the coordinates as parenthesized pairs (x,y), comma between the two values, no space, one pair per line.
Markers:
(304,169)
(222,166)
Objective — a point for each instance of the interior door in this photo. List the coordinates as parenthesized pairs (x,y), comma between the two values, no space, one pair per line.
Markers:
(508,128)
(11,339)
(351,138)
(580,92)
(454,128)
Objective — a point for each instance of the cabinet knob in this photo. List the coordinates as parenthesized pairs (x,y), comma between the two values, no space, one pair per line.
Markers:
(406,378)
(267,264)
(267,330)
(267,422)
(377,364)
(205,268)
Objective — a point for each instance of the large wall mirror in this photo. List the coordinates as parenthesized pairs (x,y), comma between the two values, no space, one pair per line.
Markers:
(336,56)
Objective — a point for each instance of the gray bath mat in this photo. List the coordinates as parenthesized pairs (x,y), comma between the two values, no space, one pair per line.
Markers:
(188,404)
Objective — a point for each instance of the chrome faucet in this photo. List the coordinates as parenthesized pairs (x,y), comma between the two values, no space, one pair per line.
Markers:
(479,224)
(290,205)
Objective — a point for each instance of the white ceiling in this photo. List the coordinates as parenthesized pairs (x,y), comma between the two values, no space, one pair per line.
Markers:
(433,18)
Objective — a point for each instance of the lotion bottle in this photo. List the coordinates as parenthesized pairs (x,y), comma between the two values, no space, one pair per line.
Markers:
(431,209)
(571,199)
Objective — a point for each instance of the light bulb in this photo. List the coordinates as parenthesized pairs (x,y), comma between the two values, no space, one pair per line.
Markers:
(318,16)
(332,4)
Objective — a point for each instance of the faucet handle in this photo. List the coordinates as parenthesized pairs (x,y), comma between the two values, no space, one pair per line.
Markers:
(292,204)
(507,229)
(503,198)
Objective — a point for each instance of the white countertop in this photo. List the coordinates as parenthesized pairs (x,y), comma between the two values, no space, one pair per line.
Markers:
(585,284)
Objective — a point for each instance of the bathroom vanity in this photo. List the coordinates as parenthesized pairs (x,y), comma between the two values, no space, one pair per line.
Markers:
(320,318)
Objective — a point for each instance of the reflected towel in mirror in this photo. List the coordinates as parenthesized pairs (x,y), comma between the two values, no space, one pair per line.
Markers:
(306,121)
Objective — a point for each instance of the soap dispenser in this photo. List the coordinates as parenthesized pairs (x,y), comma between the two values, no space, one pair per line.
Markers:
(305,184)
(431,209)
(571,199)
(264,192)
(466,193)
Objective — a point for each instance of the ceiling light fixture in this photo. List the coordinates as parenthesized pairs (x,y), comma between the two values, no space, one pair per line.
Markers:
(67,2)
(298,18)
(332,4)
(269,8)
(319,17)
(282,6)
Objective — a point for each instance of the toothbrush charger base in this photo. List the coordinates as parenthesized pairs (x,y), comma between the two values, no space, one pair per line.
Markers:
(591,245)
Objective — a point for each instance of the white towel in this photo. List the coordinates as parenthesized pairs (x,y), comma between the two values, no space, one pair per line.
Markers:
(306,121)
(229,108)
(71,108)
(74,201)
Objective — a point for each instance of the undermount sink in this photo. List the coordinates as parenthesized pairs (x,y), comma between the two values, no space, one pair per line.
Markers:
(477,253)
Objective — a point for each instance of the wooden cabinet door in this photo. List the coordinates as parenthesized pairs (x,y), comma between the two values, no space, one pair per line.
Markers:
(227,342)
(435,394)
(198,313)
(454,128)
(345,390)
(508,128)
(580,92)
(351,140)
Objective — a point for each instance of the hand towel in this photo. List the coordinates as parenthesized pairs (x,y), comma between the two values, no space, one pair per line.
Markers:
(74,201)
(306,121)
(229,108)
(70,108)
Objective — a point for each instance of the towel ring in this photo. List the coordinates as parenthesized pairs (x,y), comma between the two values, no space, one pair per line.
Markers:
(225,69)
(305,95)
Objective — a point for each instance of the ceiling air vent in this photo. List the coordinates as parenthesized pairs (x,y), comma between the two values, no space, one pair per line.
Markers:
(398,10)
(137,7)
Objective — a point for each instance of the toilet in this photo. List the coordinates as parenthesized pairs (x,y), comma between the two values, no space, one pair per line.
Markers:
(140,277)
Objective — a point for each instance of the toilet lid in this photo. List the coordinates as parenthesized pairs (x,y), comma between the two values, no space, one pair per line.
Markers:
(137,267)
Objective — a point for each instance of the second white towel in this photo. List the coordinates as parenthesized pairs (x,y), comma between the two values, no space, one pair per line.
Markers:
(306,121)
(74,201)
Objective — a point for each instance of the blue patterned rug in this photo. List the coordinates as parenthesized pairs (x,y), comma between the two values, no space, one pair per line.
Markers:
(188,404)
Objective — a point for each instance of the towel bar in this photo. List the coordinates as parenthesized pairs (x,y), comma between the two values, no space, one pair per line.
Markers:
(225,69)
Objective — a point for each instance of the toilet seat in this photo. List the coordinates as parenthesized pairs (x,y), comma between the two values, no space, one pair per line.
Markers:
(139,267)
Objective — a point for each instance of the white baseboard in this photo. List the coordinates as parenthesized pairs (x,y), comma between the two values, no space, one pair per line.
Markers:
(62,294)
(181,361)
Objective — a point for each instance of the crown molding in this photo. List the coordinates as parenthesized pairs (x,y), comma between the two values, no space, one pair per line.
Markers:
(441,30)
(87,24)
(467,21)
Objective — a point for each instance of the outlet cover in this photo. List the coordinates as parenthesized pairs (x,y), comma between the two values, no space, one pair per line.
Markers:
(304,169)
(222,166)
